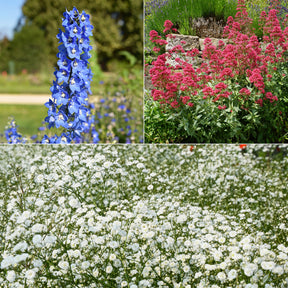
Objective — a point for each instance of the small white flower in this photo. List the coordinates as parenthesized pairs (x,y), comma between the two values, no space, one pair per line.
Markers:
(232,274)
(74,203)
(112,257)
(181,218)
(107,164)
(109,269)
(22,246)
(7,261)
(186,268)
(250,269)
(30,274)
(39,202)
(140,165)
(11,276)
(37,263)
(85,265)
(37,228)
(50,239)
(150,187)
(63,265)
(221,276)
(278,270)
(37,239)
(267,265)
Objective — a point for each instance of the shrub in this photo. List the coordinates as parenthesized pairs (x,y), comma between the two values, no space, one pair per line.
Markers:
(233,95)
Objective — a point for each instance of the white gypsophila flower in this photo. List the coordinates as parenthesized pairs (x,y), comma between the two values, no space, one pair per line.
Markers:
(38,228)
(40,179)
(61,200)
(37,263)
(250,269)
(109,269)
(232,274)
(112,257)
(22,246)
(181,218)
(37,240)
(21,257)
(267,265)
(85,265)
(140,166)
(63,265)
(107,164)
(186,268)
(39,202)
(11,276)
(278,270)
(249,285)
(23,217)
(117,263)
(50,239)
(7,261)
(30,274)
(150,187)
(74,203)
(221,276)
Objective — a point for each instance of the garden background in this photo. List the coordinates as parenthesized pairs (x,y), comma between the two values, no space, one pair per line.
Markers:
(216,71)
(29,57)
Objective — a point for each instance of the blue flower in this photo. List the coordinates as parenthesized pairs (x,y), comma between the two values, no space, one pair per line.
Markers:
(69,107)
(12,135)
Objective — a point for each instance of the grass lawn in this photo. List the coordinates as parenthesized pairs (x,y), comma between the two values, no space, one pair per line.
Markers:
(41,83)
(28,117)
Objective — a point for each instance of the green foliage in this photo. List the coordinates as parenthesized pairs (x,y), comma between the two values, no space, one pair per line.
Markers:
(206,123)
(28,118)
(117,24)
(95,67)
(161,126)
(28,49)
(181,12)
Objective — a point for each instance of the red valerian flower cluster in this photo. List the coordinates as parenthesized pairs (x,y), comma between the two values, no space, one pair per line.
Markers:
(243,59)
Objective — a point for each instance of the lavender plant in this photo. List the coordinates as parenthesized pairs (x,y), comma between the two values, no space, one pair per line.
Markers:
(69,107)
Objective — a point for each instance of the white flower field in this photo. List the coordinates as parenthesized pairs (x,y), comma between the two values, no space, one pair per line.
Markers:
(144,216)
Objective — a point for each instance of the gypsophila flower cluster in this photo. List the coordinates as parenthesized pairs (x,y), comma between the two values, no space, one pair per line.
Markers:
(144,216)
(68,107)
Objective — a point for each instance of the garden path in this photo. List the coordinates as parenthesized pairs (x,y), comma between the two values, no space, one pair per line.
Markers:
(31,99)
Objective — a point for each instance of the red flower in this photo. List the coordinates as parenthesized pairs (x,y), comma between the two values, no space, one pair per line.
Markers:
(243,146)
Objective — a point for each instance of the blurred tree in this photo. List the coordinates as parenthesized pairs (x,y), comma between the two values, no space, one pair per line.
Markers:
(4,54)
(28,49)
(117,24)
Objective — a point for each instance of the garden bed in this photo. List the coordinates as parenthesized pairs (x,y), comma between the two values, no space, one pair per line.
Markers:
(144,216)
(216,90)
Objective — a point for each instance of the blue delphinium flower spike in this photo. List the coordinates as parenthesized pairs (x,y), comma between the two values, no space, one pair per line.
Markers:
(69,106)
(12,135)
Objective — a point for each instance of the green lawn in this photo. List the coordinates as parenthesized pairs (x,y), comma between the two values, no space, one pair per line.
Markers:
(28,118)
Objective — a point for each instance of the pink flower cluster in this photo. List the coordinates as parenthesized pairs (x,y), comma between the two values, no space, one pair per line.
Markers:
(243,59)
